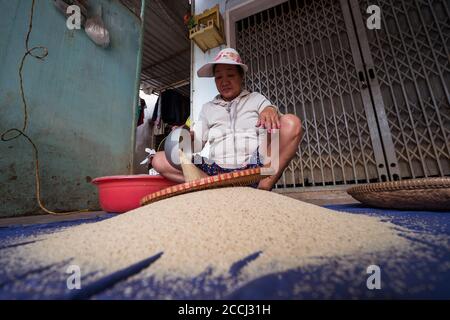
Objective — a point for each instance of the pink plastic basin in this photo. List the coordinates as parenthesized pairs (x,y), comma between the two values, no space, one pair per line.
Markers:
(123,193)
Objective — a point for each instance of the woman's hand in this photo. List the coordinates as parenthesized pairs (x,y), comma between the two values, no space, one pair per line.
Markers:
(269,119)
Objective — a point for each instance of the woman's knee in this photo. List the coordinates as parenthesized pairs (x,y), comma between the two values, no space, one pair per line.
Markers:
(159,161)
(292,124)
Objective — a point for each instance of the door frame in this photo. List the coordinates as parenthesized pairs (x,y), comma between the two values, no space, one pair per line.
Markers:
(241,11)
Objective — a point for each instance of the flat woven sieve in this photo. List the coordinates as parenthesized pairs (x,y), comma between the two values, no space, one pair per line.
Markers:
(414,194)
(237,178)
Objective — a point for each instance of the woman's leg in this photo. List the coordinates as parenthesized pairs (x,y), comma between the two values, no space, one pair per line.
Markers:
(291,133)
(160,164)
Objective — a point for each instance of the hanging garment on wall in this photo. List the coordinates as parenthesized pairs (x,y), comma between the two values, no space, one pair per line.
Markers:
(141,117)
(140,112)
(174,107)
(185,109)
(159,127)
(157,109)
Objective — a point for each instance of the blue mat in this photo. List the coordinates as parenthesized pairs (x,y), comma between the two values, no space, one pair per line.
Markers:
(410,278)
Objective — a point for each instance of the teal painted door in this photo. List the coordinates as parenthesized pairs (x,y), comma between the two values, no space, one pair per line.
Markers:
(81,101)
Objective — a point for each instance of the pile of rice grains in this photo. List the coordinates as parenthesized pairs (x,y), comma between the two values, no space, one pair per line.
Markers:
(226,238)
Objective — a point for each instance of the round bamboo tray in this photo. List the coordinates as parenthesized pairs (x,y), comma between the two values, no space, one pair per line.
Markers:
(237,178)
(414,194)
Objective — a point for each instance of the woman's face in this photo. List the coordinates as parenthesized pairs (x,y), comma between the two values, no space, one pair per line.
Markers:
(228,81)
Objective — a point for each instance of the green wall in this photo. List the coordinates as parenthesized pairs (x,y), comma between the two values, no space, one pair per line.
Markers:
(81,102)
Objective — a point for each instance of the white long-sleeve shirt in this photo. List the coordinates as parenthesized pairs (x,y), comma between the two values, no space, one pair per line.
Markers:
(230,128)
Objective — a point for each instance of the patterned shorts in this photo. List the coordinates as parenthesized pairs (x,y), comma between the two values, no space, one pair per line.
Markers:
(212,169)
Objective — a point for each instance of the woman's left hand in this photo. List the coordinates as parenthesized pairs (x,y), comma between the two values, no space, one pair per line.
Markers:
(269,119)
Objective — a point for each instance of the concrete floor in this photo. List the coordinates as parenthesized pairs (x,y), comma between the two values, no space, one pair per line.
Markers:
(322,197)
(47,218)
(318,197)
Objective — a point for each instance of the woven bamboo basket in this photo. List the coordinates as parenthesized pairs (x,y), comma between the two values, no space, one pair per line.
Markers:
(414,194)
(232,179)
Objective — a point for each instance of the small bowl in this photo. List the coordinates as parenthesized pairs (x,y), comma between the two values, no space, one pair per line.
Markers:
(120,194)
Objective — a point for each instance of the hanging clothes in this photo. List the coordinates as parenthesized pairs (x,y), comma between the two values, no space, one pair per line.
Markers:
(158,127)
(175,108)
(140,112)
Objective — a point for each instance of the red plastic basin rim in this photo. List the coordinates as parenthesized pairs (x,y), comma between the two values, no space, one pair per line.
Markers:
(129,178)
